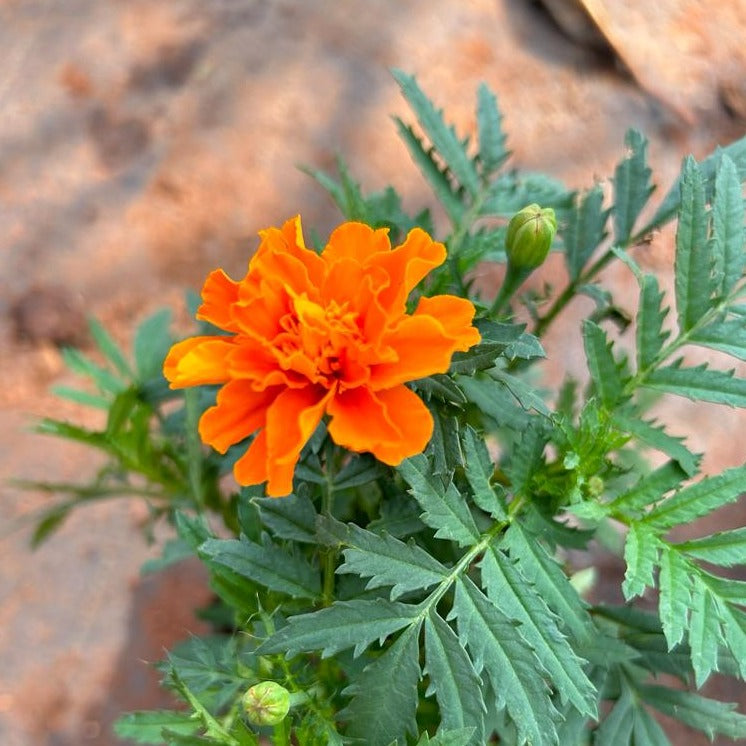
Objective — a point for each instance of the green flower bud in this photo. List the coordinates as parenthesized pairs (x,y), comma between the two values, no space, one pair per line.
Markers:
(530,234)
(596,486)
(266,703)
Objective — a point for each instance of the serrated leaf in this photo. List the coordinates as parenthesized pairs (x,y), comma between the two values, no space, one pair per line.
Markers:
(151,344)
(649,489)
(725,548)
(736,151)
(708,715)
(457,686)
(646,729)
(692,266)
(603,367)
(444,508)
(675,595)
(650,316)
(103,378)
(359,471)
(432,172)
(699,499)
(346,624)
(384,559)
(492,151)
(699,383)
(460,737)
(584,231)
(727,228)
(524,393)
(519,600)
(293,517)
(266,564)
(514,671)
(147,726)
(632,187)
(441,387)
(725,336)
(656,437)
(109,348)
(479,469)
(513,190)
(640,555)
(447,144)
(734,632)
(705,636)
(384,696)
(550,581)
(616,728)
(495,403)
(526,456)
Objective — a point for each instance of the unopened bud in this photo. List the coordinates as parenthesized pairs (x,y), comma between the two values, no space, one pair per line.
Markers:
(530,234)
(266,703)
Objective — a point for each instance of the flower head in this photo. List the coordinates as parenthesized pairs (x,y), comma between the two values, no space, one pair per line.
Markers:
(313,334)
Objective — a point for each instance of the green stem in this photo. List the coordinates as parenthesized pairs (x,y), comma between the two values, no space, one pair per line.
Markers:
(280,735)
(330,554)
(513,280)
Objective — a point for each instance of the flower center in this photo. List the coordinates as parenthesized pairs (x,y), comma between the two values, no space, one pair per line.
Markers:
(320,342)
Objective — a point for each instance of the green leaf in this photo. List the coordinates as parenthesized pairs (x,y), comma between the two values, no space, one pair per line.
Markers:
(725,548)
(650,316)
(647,731)
(584,231)
(656,437)
(518,600)
(151,344)
(444,508)
(736,151)
(51,520)
(432,172)
(346,624)
(649,489)
(527,454)
(441,387)
(699,499)
(103,378)
(708,715)
(705,635)
(479,470)
(269,565)
(147,726)
(692,266)
(604,369)
(675,595)
(632,187)
(109,348)
(726,336)
(460,737)
(551,583)
(444,139)
(384,559)
(616,728)
(727,227)
(640,555)
(359,471)
(293,517)
(524,393)
(457,686)
(81,397)
(514,671)
(699,383)
(495,403)
(384,696)
(492,150)
(734,633)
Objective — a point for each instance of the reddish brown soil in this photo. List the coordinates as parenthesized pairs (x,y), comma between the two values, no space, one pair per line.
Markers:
(142,144)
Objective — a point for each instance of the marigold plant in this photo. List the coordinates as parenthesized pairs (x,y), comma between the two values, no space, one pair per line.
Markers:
(428,575)
(310,334)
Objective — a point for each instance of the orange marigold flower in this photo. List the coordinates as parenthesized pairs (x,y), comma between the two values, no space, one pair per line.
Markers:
(312,334)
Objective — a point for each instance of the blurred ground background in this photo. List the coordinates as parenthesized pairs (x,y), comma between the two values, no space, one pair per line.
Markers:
(144,142)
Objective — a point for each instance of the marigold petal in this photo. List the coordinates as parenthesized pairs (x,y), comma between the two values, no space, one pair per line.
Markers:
(356,241)
(455,315)
(198,360)
(291,420)
(240,410)
(282,255)
(251,468)
(422,346)
(392,424)
(406,265)
(219,293)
